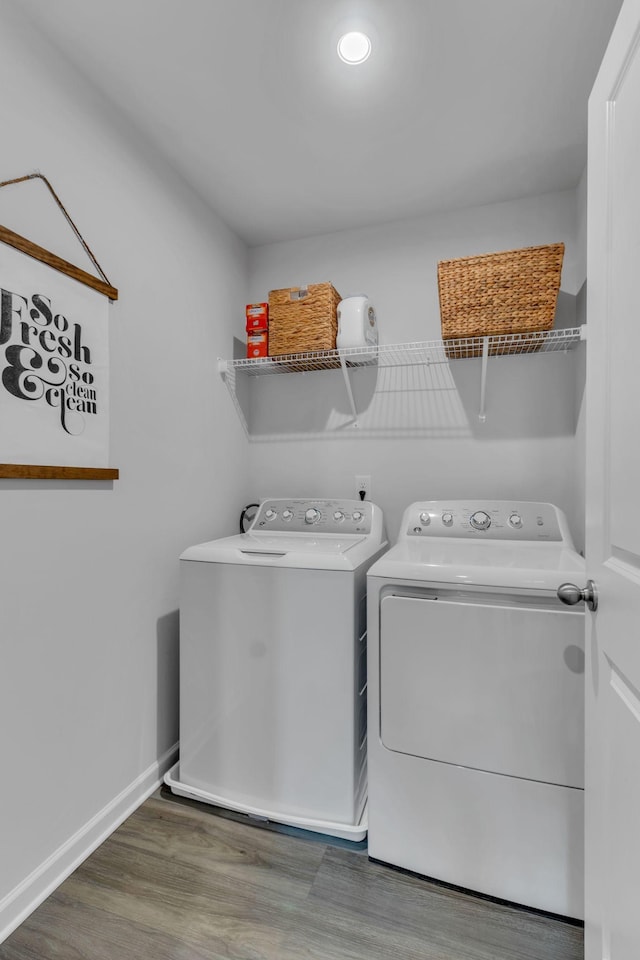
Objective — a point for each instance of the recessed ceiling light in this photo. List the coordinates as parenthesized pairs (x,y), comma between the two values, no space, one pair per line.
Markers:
(354,48)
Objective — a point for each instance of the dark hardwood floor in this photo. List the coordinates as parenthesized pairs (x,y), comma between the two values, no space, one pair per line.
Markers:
(178,881)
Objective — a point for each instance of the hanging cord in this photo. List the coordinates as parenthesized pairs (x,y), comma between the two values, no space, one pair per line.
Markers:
(247,516)
(85,245)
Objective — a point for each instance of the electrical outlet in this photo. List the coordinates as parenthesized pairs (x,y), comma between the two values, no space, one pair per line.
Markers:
(363,487)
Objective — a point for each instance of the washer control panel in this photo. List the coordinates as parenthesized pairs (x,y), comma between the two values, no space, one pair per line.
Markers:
(485,520)
(317,516)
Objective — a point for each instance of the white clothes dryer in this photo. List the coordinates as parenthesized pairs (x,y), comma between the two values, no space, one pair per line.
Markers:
(476,702)
(273,666)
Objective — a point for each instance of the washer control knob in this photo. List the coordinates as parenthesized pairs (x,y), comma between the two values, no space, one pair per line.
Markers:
(515,520)
(271,514)
(312,515)
(447,519)
(287,514)
(357,515)
(425,519)
(480,520)
(338,515)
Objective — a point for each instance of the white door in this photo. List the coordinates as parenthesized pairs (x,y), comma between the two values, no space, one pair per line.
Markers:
(613,501)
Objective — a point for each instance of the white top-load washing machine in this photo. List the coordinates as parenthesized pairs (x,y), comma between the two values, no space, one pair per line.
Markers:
(273,666)
(475,696)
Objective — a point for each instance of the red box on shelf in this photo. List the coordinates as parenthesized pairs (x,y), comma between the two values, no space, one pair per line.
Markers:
(258,344)
(257,316)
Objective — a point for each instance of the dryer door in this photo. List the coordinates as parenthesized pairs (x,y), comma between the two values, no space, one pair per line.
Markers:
(497,686)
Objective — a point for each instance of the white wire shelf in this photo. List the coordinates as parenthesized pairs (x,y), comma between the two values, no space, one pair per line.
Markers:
(422,353)
(407,354)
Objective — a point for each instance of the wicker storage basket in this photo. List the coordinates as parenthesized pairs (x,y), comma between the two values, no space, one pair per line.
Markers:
(513,292)
(303,319)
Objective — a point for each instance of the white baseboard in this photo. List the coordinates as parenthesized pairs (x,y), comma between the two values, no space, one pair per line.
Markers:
(23,899)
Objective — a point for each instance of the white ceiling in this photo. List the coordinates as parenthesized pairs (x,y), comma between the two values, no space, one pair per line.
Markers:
(462,102)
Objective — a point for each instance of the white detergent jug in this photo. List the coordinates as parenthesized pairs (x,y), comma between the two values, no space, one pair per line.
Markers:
(357,325)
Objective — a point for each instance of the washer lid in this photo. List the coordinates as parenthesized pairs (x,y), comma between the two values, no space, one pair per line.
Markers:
(528,566)
(286,550)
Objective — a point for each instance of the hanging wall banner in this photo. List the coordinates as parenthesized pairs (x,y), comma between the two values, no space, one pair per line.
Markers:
(54,370)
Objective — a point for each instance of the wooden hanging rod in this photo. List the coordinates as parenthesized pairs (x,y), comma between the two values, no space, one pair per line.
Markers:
(29,471)
(52,260)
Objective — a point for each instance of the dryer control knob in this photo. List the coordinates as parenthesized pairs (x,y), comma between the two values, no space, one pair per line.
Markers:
(480,520)
(425,519)
(287,514)
(270,514)
(312,515)
(515,520)
(447,519)
(338,515)
(357,516)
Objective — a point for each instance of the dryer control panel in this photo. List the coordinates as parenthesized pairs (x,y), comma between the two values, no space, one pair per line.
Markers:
(486,520)
(314,516)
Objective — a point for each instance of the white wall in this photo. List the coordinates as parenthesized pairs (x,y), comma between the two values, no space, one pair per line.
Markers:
(419,435)
(88,571)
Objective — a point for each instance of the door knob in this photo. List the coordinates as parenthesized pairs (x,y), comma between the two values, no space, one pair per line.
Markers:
(569,593)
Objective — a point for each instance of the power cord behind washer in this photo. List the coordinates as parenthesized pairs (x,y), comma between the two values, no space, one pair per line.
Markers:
(247,516)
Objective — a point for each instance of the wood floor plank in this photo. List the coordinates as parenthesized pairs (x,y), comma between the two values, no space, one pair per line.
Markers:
(62,929)
(357,907)
(195,904)
(201,839)
(178,882)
